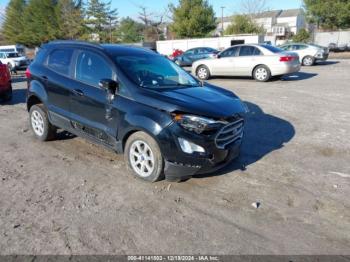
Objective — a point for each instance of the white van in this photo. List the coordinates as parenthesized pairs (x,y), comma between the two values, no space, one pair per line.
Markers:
(13,49)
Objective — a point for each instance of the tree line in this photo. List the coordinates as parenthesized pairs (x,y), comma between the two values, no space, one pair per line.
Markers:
(33,22)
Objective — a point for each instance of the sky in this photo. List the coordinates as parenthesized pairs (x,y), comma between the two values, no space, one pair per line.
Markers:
(130,7)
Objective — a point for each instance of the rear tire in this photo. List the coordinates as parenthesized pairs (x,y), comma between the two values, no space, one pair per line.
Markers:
(143,157)
(39,123)
(308,61)
(203,72)
(262,73)
(8,95)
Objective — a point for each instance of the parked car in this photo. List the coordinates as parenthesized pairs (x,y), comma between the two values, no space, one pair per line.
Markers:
(333,47)
(135,102)
(5,83)
(194,54)
(13,60)
(309,53)
(259,61)
(175,53)
(342,47)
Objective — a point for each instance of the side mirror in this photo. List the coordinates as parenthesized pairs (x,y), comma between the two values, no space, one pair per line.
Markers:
(109,85)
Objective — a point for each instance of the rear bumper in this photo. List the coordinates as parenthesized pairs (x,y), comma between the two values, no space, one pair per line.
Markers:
(285,69)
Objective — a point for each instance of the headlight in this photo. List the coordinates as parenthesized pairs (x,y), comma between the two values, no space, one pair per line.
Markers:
(196,123)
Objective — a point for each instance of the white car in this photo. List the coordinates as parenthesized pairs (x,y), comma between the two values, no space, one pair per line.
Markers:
(13,60)
(259,61)
(309,53)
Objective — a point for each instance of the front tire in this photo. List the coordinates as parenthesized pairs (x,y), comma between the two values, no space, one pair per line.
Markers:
(308,61)
(203,72)
(143,157)
(39,123)
(262,73)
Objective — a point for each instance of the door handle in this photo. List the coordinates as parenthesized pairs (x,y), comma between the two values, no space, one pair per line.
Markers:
(44,78)
(78,92)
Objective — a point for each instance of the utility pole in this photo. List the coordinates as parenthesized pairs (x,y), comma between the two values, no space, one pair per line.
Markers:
(222,20)
(110,30)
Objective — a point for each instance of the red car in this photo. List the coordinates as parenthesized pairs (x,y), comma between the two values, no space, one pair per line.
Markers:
(5,83)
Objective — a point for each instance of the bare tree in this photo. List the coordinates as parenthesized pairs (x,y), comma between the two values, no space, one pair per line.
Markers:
(152,22)
(253,7)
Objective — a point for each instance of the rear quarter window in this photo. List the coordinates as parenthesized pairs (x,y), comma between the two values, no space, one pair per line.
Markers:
(59,61)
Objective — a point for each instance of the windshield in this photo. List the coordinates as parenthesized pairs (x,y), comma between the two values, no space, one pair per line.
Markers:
(273,49)
(12,55)
(154,71)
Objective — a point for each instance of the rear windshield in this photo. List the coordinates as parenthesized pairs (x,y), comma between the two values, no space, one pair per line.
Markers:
(273,49)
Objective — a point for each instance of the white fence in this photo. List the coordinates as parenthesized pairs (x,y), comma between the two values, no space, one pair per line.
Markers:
(220,43)
(337,37)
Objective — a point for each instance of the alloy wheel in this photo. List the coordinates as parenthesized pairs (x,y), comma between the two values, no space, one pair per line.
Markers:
(142,158)
(37,123)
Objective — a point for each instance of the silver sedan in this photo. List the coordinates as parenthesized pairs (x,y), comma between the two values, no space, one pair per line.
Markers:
(259,61)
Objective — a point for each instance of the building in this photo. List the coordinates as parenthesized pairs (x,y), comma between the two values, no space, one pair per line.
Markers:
(280,23)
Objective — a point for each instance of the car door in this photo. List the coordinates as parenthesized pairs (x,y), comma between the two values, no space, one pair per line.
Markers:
(89,105)
(188,57)
(302,50)
(225,64)
(57,78)
(247,59)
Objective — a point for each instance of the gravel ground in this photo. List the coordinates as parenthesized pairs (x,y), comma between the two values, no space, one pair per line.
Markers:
(72,197)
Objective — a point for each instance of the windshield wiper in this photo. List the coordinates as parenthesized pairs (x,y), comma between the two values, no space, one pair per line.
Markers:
(186,85)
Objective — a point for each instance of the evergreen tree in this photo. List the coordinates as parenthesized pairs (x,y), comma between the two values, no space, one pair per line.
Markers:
(70,18)
(329,14)
(101,20)
(130,31)
(14,23)
(193,18)
(40,22)
(243,24)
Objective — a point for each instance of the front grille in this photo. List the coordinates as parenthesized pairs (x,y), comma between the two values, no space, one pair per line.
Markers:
(229,134)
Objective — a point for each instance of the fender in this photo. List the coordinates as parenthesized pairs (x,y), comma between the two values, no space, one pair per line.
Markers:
(141,118)
(37,90)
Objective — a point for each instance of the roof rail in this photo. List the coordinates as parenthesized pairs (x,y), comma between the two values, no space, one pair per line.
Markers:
(76,42)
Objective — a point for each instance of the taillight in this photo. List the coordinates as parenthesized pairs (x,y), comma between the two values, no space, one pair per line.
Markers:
(287,58)
(28,74)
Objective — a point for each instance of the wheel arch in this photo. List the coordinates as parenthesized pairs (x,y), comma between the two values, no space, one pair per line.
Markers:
(33,100)
(202,64)
(153,126)
(36,94)
(252,73)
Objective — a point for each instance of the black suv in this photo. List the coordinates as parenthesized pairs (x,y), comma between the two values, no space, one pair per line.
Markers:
(135,102)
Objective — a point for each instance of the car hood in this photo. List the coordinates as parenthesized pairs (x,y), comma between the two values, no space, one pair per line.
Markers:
(210,101)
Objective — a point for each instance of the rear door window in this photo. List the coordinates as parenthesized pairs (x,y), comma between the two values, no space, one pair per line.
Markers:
(91,68)
(59,61)
(300,47)
(249,51)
